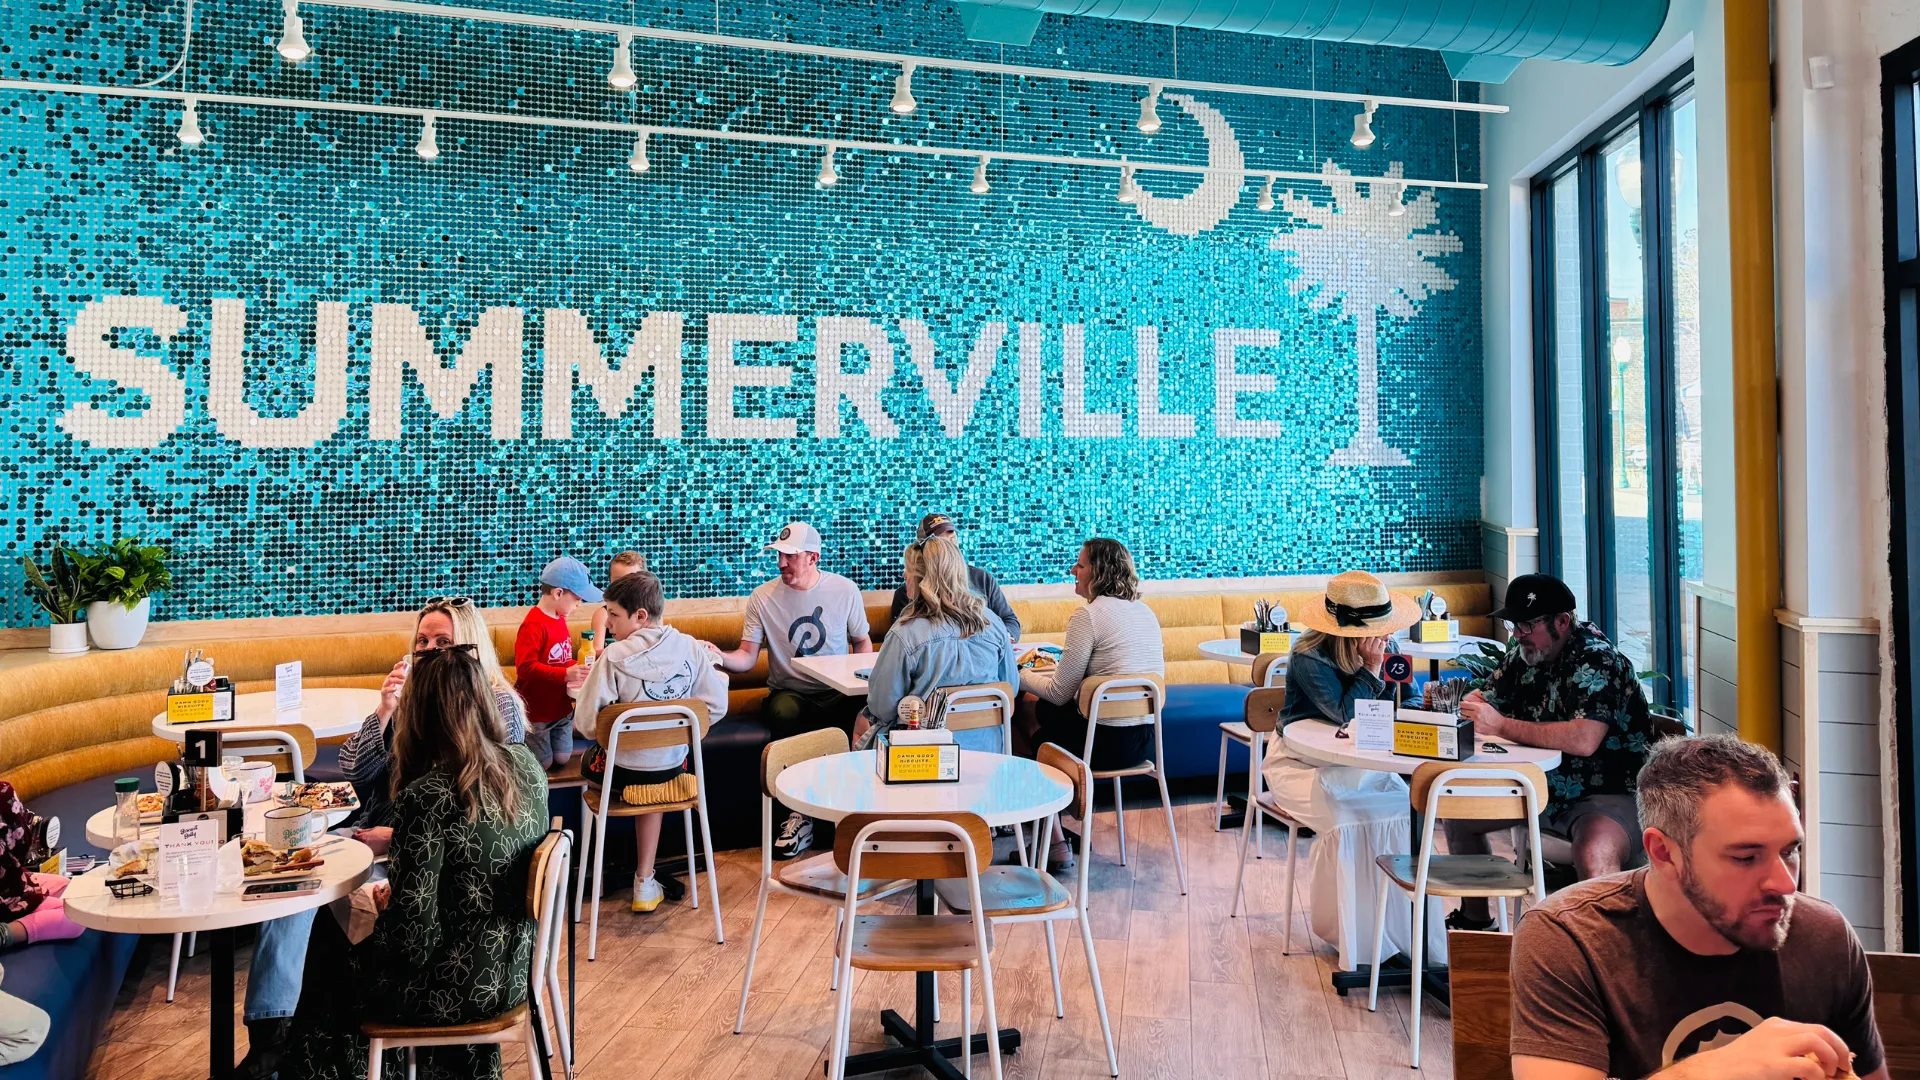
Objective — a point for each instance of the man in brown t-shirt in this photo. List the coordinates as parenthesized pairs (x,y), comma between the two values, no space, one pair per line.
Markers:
(1705,964)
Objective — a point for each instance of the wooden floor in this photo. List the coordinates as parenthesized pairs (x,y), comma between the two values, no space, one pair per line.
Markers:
(1191,993)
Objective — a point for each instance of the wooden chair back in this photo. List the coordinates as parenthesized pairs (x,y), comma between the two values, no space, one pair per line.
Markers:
(1269,669)
(538,869)
(1509,807)
(1077,774)
(1122,697)
(1480,964)
(980,705)
(780,753)
(1264,707)
(948,862)
(275,743)
(1896,1009)
(624,721)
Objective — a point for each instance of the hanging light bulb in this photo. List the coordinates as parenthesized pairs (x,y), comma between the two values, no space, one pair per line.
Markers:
(637,161)
(428,147)
(1266,196)
(1363,125)
(1149,116)
(293,45)
(189,133)
(620,76)
(979,185)
(1128,193)
(903,102)
(1399,201)
(828,176)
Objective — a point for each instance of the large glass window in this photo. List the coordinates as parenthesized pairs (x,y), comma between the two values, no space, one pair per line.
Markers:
(1618,344)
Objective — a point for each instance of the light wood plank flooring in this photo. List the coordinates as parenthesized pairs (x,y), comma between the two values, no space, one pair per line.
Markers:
(1192,993)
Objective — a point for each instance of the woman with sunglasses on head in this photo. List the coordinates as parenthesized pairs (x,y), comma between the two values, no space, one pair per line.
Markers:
(452,940)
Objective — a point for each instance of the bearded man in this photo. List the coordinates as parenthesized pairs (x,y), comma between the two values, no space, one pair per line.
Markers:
(1564,688)
(1705,964)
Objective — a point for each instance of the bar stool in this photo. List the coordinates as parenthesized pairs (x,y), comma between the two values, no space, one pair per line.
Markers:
(1128,701)
(1269,670)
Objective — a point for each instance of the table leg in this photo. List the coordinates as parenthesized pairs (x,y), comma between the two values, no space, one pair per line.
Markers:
(220,1033)
(917,1044)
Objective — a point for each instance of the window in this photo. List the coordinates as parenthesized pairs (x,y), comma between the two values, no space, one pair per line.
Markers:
(1617,375)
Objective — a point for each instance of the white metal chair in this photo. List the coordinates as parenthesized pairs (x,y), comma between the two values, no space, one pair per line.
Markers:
(915,847)
(1269,670)
(815,877)
(546,900)
(1443,790)
(1017,894)
(976,706)
(641,726)
(548,1000)
(1263,710)
(1128,701)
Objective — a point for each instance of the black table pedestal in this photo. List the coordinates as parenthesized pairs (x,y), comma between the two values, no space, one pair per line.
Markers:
(220,1031)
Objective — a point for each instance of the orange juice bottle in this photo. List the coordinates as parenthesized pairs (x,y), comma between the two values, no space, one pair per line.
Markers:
(584,654)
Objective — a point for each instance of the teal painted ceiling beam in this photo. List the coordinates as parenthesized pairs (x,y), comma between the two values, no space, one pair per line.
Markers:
(1486,38)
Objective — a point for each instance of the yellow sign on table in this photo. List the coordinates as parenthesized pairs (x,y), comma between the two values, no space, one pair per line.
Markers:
(928,759)
(1431,631)
(1439,736)
(1255,642)
(189,708)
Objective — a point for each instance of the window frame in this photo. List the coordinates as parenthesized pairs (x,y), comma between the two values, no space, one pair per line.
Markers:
(1651,118)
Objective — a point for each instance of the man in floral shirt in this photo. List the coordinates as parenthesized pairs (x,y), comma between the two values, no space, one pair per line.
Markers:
(1565,688)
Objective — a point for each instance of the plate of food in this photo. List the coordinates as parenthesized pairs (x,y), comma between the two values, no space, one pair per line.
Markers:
(1042,659)
(264,863)
(152,804)
(322,796)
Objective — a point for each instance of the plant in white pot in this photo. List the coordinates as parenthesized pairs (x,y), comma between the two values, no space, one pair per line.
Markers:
(61,589)
(124,575)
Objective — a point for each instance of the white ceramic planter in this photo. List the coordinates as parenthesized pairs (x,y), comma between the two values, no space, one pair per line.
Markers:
(68,638)
(113,626)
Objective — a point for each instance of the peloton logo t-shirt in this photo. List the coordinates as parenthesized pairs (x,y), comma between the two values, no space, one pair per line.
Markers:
(812,622)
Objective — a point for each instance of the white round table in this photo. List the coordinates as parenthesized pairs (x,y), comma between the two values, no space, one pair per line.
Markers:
(100,827)
(1433,652)
(1228,650)
(1002,789)
(332,712)
(348,865)
(1314,742)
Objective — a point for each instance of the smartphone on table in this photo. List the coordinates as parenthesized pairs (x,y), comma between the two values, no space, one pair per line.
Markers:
(278,890)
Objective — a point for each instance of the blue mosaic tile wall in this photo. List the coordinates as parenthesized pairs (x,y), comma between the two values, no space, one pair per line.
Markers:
(292,240)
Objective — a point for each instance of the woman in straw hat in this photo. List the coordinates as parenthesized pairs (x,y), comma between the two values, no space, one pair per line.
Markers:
(1356,814)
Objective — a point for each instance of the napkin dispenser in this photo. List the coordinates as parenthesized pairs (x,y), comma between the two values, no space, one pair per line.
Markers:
(917,756)
(1436,735)
(210,705)
(1434,626)
(1267,631)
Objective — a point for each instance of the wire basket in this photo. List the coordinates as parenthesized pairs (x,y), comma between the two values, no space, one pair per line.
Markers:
(128,888)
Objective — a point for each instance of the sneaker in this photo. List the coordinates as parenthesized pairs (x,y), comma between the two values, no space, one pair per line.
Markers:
(1457,920)
(795,837)
(647,894)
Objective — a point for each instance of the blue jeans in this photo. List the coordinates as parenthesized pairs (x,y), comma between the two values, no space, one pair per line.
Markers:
(279,958)
(551,743)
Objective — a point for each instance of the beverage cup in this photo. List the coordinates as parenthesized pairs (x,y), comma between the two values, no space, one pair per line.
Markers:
(196,884)
(289,827)
(255,780)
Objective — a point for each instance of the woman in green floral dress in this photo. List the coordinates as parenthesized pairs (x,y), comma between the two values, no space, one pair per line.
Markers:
(454,939)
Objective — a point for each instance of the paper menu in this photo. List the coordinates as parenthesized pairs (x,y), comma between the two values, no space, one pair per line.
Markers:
(192,845)
(286,686)
(1373,725)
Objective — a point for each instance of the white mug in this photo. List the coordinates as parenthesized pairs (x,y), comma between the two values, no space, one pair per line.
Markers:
(289,827)
(255,780)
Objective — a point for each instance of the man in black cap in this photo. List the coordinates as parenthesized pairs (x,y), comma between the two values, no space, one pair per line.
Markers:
(1564,688)
(977,579)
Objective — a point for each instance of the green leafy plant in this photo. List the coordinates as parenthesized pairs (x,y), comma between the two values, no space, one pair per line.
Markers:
(1660,712)
(1482,661)
(63,587)
(128,571)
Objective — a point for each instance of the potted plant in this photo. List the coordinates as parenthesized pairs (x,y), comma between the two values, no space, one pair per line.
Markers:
(124,576)
(61,589)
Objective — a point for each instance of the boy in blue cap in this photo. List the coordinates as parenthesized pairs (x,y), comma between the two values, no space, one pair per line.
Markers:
(543,652)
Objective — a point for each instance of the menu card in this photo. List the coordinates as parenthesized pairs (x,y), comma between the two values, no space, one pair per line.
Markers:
(1373,725)
(196,844)
(286,687)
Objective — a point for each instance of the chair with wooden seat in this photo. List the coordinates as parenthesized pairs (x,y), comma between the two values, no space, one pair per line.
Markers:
(1263,710)
(1017,894)
(1449,790)
(645,726)
(915,847)
(975,707)
(1128,701)
(812,878)
(1269,671)
(546,903)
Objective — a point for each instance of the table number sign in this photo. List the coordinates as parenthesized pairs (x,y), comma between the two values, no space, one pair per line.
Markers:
(286,687)
(1373,725)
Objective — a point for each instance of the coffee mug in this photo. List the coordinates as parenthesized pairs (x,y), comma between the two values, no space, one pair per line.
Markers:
(255,780)
(289,827)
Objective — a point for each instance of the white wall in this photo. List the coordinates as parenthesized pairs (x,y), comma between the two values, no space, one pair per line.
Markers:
(1553,106)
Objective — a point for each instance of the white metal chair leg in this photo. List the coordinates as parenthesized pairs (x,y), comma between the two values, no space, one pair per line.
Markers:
(843,1016)
(173,967)
(1502,916)
(599,860)
(936,975)
(834,984)
(753,952)
(1020,843)
(533,1056)
(966,1023)
(713,872)
(1173,834)
(1259,820)
(193,943)
(376,1050)
(1220,783)
(1379,932)
(563,1039)
(693,866)
(986,988)
(413,1062)
(1099,995)
(586,840)
(1286,947)
(1240,877)
(1120,819)
(1419,967)
(1053,965)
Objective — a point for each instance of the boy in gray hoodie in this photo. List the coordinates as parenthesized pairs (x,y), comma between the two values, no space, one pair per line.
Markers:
(647,661)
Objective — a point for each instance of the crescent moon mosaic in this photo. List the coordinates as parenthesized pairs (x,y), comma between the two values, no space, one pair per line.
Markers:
(1209,203)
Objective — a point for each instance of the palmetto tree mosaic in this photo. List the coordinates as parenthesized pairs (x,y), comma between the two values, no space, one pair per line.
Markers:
(1360,254)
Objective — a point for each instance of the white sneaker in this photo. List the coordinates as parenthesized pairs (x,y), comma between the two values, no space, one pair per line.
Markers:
(796,836)
(647,894)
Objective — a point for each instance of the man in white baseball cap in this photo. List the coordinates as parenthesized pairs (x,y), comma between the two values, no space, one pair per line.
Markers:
(803,612)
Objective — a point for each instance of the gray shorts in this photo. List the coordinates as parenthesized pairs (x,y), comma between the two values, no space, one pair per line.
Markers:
(1620,808)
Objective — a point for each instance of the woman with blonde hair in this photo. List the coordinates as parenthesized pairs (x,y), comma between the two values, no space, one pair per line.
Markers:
(946,636)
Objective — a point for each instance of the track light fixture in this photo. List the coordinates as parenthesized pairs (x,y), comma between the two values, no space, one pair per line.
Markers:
(1363,125)
(428,147)
(979,185)
(293,45)
(1399,202)
(1149,115)
(620,76)
(189,133)
(1266,196)
(903,102)
(828,175)
(1128,192)
(637,161)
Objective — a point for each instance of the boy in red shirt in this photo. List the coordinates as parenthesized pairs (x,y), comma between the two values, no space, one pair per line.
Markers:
(543,652)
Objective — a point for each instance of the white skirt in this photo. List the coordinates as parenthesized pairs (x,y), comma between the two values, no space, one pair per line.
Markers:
(1356,815)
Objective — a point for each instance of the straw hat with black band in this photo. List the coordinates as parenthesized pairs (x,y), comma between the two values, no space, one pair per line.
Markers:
(1357,604)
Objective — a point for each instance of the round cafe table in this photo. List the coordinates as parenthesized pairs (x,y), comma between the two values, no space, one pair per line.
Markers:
(333,712)
(100,826)
(1434,652)
(348,864)
(1000,788)
(1228,650)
